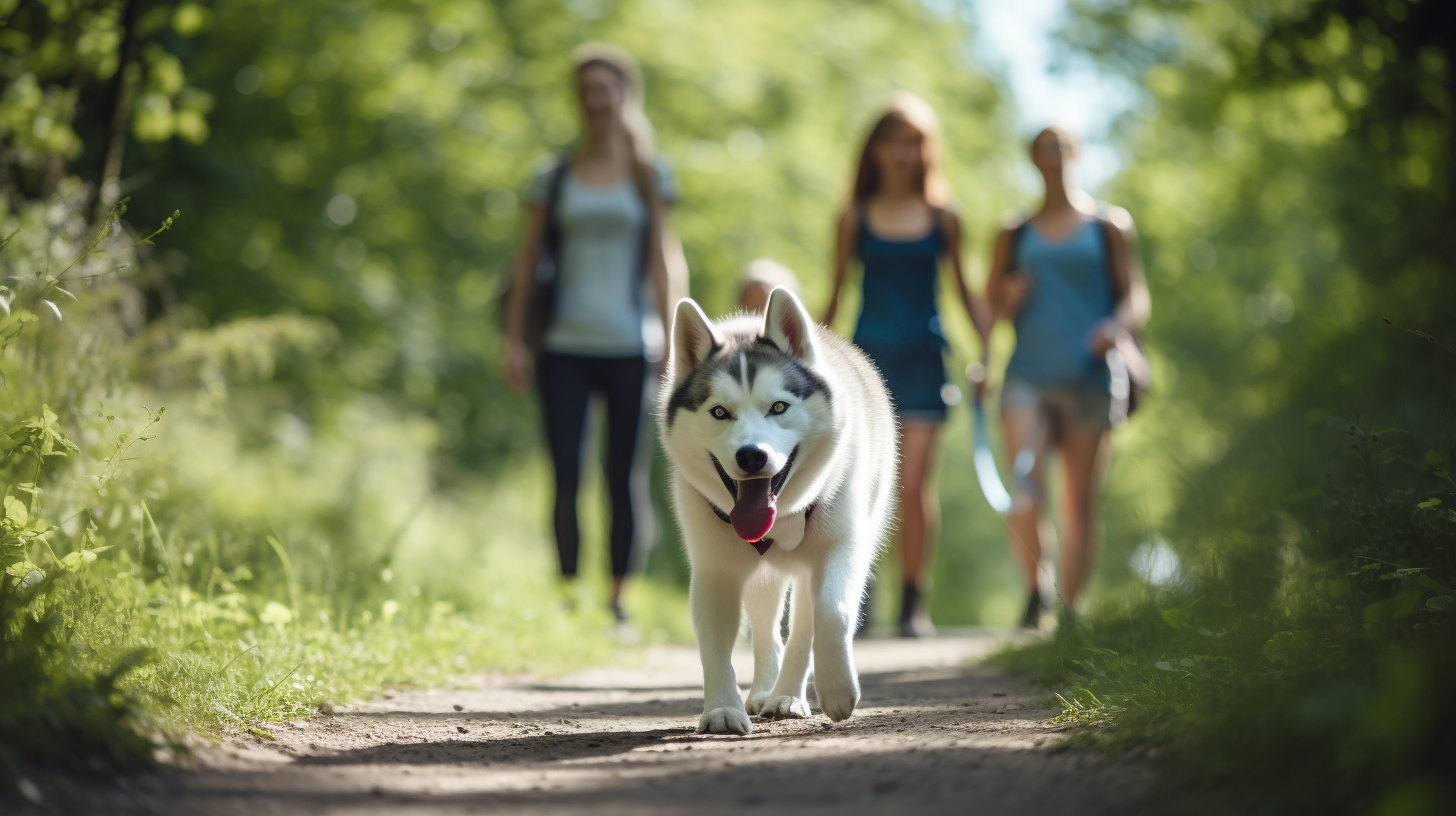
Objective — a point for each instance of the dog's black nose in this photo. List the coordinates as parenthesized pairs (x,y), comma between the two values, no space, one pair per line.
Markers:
(751,458)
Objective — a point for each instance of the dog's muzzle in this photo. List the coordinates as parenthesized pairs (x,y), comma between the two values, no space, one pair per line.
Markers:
(755,502)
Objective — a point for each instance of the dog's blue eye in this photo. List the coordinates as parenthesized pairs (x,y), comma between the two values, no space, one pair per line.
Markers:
(719,412)
(778,408)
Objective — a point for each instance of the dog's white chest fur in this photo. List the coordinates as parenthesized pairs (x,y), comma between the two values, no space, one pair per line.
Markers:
(774,414)
(788,531)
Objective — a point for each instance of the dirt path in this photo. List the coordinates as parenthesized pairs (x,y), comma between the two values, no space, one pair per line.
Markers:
(935,733)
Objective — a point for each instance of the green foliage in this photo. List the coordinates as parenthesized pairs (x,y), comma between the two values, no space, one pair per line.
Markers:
(66,64)
(368,162)
(1292,182)
(1320,696)
(223,563)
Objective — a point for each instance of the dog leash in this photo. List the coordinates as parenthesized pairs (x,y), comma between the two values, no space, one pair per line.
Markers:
(985,461)
(987,476)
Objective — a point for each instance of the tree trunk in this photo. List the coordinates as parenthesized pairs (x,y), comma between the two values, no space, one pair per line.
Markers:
(123,90)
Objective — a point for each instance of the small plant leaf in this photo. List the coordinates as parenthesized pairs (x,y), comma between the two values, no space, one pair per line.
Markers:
(1433,502)
(1176,618)
(16,512)
(1442,603)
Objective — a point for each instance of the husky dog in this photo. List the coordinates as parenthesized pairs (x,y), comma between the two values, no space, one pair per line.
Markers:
(783,447)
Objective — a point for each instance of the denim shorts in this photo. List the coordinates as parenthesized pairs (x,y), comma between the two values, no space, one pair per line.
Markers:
(915,379)
(1082,405)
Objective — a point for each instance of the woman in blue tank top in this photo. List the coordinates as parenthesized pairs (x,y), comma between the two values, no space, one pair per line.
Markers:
(898,227)
(1069,281)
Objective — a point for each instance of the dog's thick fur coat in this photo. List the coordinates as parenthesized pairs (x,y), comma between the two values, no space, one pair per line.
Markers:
(774,423)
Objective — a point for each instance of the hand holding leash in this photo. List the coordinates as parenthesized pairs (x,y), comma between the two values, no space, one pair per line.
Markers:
(976,376)
(1106,335)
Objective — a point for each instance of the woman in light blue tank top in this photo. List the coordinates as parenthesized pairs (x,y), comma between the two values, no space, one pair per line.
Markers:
(1069,280)
(597,219)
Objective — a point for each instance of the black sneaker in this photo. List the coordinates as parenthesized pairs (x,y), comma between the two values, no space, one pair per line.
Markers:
(1032,618)
(914,623)
(618,613)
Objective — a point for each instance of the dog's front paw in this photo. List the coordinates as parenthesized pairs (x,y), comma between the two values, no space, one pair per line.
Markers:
(785,707)
(838,695)
(724,721)
(758,702)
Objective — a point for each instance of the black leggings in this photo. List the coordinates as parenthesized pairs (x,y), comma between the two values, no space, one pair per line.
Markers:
(567,383)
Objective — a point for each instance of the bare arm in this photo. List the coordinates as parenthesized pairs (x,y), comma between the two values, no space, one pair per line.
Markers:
(843,251)
(1005,293)
(979,311)
(521,273)
(676,265)
(657,264)
(1134,303)
(518,359)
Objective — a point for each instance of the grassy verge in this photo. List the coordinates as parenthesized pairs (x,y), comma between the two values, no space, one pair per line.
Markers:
(1306,671)
(270,542)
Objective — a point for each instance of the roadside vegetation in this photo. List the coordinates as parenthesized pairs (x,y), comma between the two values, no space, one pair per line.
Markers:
(1277,599)
(171,563)
(262,461)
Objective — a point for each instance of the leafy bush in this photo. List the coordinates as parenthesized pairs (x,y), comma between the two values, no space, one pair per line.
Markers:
(1308,667)
(1293,185)
(241,556)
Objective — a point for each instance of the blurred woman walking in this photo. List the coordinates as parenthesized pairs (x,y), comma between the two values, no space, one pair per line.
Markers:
(590,291)
(1070,281)
(900,228)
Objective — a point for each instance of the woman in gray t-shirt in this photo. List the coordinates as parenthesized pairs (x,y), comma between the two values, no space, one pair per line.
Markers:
(599,217)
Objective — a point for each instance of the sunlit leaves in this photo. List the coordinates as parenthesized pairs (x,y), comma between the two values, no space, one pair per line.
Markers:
(39,436)
(16,513)
(58,50)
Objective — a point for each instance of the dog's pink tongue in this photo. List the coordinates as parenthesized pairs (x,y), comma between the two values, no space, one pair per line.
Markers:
(753,512)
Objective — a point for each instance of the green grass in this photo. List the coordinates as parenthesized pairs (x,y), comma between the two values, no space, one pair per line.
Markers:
(259,547)
(1302,673)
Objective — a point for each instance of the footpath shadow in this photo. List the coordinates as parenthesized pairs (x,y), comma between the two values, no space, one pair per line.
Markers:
(503,750)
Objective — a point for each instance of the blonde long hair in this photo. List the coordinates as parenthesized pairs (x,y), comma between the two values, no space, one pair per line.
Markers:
(904,108)
(639,128)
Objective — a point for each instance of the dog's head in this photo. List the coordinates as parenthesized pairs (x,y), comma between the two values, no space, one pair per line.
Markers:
(747,415)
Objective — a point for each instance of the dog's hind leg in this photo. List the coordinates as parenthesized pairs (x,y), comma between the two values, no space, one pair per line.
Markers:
(764,602)
(837,590)
(716,600)
(789,697)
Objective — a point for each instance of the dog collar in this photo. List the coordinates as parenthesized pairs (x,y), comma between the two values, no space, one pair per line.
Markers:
(764,543)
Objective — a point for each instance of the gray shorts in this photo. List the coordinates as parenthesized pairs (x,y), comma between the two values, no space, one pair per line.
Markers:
(1086,405)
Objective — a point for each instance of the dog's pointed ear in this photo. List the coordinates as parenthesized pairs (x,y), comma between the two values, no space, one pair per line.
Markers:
(694,337)
(787,325)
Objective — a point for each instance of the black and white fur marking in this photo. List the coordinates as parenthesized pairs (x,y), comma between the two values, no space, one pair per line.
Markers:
(814,411)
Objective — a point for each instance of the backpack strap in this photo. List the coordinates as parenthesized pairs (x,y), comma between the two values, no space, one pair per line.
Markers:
(551,233)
